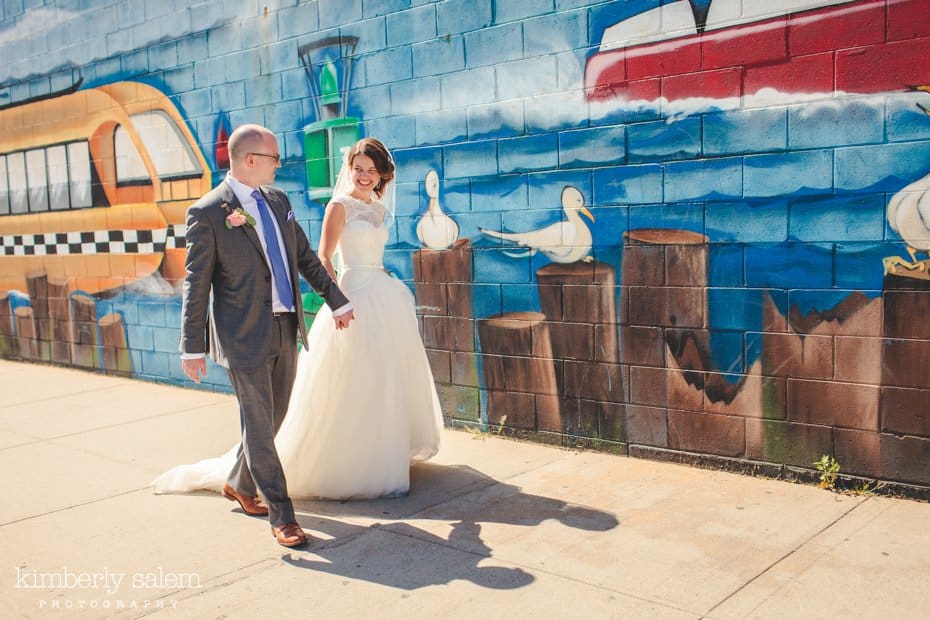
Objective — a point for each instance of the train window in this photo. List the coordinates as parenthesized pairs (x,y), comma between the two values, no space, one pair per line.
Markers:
(166,145)
(4,188)
(57,178)
(79,175)
(37,180)
(130,169)
(53,178)
(16,170)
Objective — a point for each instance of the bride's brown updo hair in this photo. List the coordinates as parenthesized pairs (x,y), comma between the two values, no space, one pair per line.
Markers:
(378,154)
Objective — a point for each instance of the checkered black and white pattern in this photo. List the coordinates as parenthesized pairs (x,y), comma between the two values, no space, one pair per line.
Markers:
(151,241)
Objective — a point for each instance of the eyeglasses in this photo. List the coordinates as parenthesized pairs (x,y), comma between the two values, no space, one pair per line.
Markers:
(277,157)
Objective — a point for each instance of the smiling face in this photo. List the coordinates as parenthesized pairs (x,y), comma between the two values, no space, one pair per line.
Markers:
(365,176)
(370,168)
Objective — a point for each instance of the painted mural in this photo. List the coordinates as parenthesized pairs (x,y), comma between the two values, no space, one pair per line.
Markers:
(675,229)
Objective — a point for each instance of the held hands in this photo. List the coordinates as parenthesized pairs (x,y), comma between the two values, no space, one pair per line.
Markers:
(195,368)
(343,320)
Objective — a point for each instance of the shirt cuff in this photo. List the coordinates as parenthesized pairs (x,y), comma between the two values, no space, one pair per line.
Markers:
(193,356)
(342,309)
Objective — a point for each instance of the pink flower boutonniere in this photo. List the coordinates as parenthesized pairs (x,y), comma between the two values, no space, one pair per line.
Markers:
(237,217)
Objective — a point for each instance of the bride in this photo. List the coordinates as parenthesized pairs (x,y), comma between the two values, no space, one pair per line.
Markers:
(364,406)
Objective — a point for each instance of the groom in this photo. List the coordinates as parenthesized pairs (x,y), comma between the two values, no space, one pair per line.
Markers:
(245,247)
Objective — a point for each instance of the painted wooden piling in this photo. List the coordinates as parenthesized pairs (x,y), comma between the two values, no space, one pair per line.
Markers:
(116,359)
(26,341)
(443,286)
(84,341)
(519,371)
(7,335)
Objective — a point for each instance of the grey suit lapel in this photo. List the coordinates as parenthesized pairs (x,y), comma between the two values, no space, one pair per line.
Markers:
(229,196)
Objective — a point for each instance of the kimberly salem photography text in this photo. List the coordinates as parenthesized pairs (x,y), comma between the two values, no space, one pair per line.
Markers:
(64,588)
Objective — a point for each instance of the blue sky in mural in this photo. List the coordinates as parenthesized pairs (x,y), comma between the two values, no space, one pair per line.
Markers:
(798,208)
(810,194)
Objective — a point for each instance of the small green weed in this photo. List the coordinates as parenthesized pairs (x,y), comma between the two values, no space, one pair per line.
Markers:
(500,425)
(478,433)
(829,469)
(867,488)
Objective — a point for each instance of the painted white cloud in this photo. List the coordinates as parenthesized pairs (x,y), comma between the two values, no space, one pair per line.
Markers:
(25,42)
(34,23)
(31,45)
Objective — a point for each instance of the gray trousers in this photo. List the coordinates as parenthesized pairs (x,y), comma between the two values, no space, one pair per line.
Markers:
(263,394)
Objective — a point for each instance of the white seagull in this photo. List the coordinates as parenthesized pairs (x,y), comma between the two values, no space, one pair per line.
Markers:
(562,242)
(908,214)
(436,230)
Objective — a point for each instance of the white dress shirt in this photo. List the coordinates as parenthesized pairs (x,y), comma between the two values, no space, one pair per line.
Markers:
(244,195)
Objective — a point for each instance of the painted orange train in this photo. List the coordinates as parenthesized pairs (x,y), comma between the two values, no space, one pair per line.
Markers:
(94,186)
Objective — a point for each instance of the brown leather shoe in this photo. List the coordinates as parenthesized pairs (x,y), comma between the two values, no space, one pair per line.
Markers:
(250,505)
(289,534)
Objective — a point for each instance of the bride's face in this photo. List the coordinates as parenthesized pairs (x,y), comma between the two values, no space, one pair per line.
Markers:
(365,175)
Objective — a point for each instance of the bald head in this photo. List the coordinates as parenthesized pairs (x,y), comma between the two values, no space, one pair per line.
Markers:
(247,139)
(253,155)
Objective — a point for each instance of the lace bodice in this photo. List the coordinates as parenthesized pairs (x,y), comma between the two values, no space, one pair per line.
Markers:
(364,235)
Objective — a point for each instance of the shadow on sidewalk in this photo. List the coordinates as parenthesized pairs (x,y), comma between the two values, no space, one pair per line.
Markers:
(426,560)
(458,494)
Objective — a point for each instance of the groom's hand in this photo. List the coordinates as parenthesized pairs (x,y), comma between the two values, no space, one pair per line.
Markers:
(195,368)
(342,321)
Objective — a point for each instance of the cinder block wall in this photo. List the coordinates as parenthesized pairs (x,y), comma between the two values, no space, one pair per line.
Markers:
(743,295)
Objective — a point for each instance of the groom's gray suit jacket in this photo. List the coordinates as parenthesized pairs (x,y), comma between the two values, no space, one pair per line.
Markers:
(231,264)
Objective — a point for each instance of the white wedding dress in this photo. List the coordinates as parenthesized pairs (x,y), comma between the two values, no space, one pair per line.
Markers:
(364,406)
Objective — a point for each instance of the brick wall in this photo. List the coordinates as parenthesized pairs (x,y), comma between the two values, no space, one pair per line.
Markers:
(734,304)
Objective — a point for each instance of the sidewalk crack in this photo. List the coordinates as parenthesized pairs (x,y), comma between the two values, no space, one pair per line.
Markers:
(781,559)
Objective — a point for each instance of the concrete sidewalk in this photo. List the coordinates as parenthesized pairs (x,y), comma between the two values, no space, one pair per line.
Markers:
(492,528)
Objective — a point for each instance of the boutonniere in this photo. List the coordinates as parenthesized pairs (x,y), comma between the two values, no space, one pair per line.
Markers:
(237,217)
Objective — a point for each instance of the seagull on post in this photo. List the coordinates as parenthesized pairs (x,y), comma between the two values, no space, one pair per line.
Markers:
(563,242)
